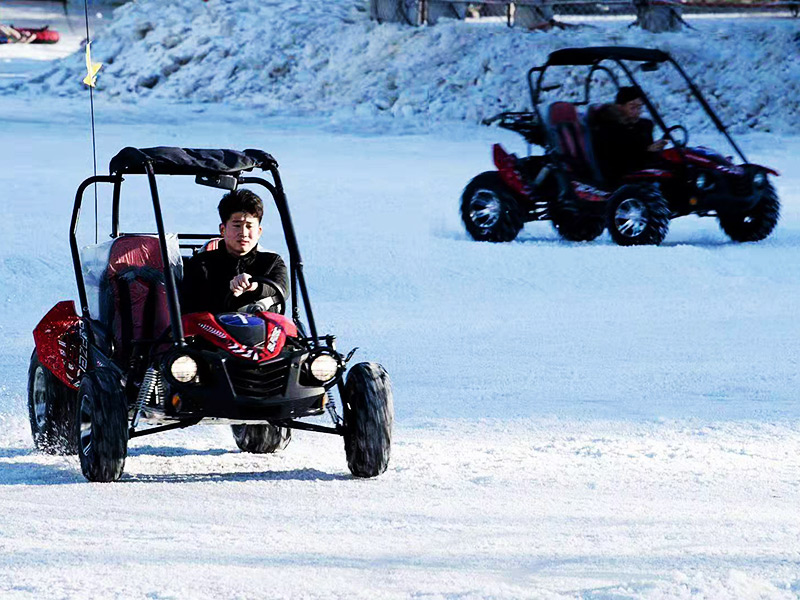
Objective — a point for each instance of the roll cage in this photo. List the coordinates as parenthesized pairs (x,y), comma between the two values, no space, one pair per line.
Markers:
(597,58)
(222,169)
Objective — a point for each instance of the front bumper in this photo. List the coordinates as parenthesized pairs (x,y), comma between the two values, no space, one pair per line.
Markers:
(238,389)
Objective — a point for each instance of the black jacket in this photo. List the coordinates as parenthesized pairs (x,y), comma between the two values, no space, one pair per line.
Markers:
(621,148)
(207,278)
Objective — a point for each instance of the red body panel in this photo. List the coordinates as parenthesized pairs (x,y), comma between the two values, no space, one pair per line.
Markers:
(58,343)
(695,158)
(588,193)
(649,175)
(204,325)
(507,167)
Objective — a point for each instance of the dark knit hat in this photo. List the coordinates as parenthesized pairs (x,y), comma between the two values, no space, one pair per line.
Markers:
(627,93)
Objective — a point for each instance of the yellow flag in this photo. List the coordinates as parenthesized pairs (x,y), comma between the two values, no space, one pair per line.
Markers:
(91,68)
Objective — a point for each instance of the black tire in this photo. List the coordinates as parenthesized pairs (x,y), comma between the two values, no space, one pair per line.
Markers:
(51,410)
(637,215)
(575,228)
(101,426)
(755,224)
(261,439)
(489,212)
(368,417)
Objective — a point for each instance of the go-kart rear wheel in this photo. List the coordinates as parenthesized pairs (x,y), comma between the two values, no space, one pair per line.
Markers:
(101,427)
(261,439)
(576,228)
(51,409)
(368,417)
(637,215)
(489,212)
(755,224)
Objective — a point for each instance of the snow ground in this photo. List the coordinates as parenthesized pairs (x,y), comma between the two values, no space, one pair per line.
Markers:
(573,420)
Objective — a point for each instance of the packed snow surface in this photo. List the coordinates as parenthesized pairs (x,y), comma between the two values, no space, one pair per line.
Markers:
(573,420)
(305,57)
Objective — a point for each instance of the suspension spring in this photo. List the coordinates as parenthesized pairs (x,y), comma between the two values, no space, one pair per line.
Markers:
(152,386)
(331,406)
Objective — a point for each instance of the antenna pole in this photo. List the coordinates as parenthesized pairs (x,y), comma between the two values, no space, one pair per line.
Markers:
(94,143)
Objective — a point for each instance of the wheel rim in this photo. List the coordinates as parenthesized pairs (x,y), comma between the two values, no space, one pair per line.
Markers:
(485,209)
(630,218)
(40,398)
(86,425)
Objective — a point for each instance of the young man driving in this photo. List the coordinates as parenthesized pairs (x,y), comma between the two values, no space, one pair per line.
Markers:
(623,140)
(219,280)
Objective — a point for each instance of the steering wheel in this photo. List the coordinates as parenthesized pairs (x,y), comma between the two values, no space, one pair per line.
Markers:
(681,142)
(279,304)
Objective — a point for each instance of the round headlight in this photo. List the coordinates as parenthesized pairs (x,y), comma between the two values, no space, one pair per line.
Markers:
(324,368)
(701,181)
(183,369)
(759,179)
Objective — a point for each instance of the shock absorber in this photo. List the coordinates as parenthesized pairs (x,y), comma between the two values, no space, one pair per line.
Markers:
(152,386)
(331,406)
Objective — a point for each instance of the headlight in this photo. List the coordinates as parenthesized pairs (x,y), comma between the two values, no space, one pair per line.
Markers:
(324,367)
(703,182)
(183,369)
(759,179)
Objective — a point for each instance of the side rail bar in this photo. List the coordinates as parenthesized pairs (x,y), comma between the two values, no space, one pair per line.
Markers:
(73,236)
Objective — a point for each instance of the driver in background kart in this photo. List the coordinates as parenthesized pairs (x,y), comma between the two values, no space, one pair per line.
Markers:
(623,140)
(218,280)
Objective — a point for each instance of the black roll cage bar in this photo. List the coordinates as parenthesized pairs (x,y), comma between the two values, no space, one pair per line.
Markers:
(275,189)
(617,56)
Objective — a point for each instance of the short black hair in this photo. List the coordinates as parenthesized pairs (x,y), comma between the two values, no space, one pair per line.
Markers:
(628,93)
(240,201)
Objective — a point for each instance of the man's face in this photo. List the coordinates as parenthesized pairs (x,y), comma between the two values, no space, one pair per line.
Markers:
(631,111)
(241,233)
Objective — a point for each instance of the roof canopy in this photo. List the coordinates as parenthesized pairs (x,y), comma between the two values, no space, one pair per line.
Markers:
(587,56)
(168,160)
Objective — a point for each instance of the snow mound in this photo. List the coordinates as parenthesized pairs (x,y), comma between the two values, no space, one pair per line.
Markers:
(303,57)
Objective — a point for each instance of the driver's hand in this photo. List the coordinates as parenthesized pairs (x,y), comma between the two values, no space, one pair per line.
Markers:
(241,284)
(657,146)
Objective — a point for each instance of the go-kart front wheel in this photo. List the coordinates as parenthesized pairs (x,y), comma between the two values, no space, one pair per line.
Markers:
(101,428)
(368,418)
(261,439)
(488,211)
(755,224)
(637,215)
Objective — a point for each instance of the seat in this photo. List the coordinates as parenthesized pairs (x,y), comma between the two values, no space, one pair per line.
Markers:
(572,140)
(211,244)
(133,299)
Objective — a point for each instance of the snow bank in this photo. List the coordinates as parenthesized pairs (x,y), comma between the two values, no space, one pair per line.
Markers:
(302,57)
